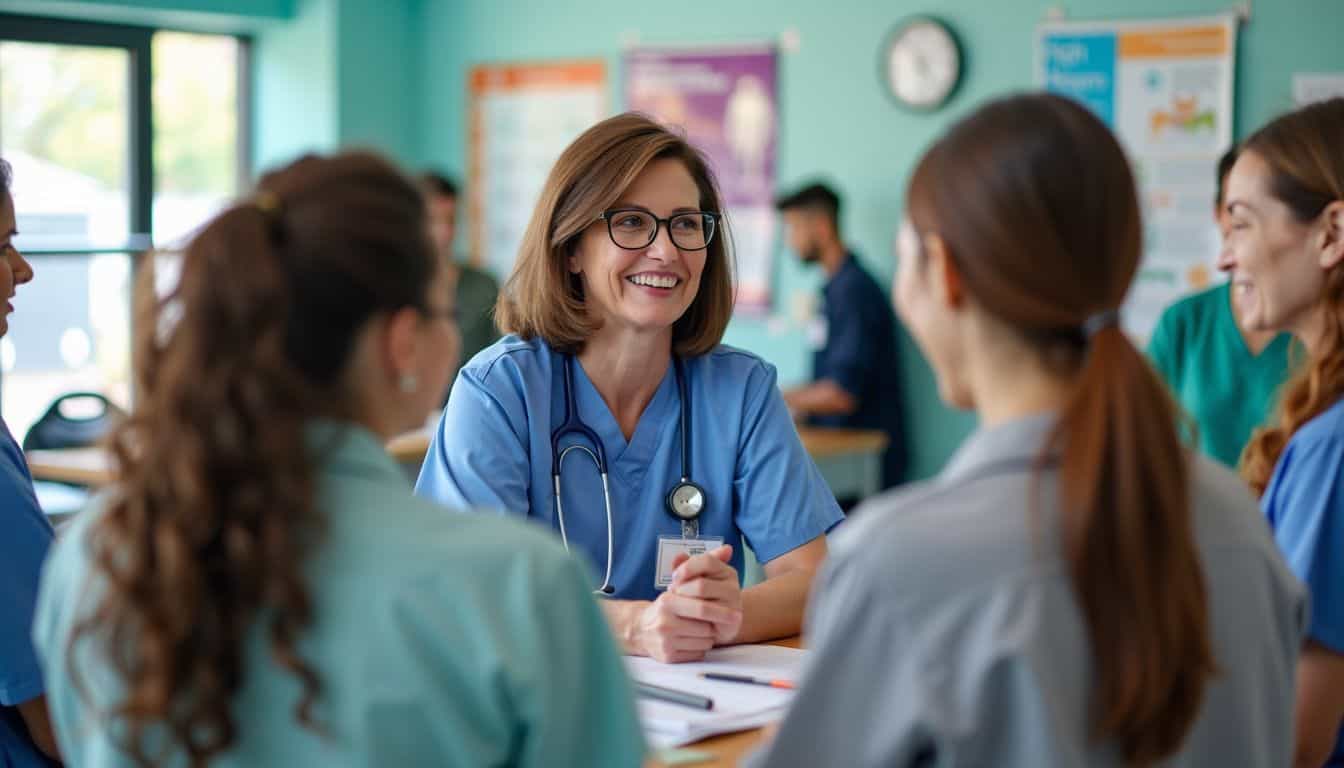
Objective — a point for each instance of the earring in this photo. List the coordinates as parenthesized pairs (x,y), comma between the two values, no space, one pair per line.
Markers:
(408,383)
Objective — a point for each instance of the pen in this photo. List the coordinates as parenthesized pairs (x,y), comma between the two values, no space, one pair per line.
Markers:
(786,684)
(651,691)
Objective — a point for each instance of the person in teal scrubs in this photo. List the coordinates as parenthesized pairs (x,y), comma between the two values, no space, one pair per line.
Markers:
(1285,253)
(260,586)
(1226,376)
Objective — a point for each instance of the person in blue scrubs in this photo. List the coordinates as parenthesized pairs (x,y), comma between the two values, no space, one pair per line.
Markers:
(856,376)
(25,536)
(619,298)
(1078,587)
(261,586)
(1285,253)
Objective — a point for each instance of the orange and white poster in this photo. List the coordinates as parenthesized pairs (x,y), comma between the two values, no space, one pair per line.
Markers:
(522,116)
(1165,88)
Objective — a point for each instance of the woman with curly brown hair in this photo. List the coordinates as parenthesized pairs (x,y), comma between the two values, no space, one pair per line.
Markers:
(261,587)
(1285,251)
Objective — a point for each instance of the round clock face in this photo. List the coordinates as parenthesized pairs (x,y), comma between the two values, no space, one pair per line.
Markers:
(923,63)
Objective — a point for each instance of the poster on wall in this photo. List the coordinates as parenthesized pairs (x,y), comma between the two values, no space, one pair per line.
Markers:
(521,117)
(1165,88)
(726,102)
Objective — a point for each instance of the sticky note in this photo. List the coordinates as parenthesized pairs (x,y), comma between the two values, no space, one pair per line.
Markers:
(682,757)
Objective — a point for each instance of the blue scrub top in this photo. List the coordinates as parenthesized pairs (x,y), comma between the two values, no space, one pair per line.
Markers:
(493,450)
(859,354)
(1305,506)
(25,537)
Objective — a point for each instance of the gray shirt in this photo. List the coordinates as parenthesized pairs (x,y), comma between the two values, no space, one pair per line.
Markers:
(945,630)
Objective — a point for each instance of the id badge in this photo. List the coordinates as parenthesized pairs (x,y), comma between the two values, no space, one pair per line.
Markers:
(671,546)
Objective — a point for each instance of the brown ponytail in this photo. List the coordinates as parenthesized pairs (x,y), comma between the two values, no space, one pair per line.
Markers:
(1036,203)
(1305,153)
(207,530)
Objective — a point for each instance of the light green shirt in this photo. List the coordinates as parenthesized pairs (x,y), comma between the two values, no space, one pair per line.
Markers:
(439,640)
(1228,391)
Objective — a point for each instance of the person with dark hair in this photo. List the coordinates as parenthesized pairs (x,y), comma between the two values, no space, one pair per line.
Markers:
(1078,587)
(1226,377)
(613,415)
(473,290)
(260,586)
(856,378)
(1285,253)
(26,739)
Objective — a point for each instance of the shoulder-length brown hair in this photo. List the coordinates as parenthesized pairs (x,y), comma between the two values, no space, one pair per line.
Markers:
(543,299)
(1302,149)
(1036,203)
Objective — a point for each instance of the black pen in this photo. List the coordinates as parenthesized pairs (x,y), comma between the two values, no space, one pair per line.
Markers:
(651,691)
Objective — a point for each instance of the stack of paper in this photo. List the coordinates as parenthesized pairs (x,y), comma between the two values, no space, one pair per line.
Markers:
(737,706)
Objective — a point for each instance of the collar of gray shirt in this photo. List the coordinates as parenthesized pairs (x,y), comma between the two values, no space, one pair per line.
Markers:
(1012,446)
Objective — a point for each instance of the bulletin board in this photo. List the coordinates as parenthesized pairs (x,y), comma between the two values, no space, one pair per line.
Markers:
(521,117)
(726,102)
(1165,88)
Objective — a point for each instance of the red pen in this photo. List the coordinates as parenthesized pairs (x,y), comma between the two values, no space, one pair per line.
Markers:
(786,684)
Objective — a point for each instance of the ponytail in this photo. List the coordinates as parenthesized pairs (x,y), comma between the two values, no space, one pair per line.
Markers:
(1036,204)
(1130,547)
(209,526)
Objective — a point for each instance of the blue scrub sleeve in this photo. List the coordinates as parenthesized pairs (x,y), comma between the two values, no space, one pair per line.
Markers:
(1306,505)
(478,457)
(25,537)
(781,500)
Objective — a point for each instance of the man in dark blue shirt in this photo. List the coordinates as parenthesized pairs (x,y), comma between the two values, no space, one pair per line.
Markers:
(856,376)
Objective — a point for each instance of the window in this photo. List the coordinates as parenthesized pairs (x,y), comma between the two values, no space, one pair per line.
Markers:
(115,134)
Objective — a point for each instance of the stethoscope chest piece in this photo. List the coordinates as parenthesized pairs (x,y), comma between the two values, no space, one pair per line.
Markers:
(686,501)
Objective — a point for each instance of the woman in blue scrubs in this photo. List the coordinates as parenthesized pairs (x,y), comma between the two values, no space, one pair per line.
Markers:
(1285,250)
(615,310)
(260,586)
(26,740)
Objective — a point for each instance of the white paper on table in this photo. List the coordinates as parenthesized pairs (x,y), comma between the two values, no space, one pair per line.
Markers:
(737,706)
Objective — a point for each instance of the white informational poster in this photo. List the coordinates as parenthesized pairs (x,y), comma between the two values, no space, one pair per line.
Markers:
(1165,88)
(522,116)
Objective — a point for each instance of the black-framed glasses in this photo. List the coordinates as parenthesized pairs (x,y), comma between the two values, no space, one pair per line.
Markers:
(635,228)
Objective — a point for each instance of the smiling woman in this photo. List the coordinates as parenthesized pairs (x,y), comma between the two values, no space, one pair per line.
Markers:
(616,306)
(1286,255)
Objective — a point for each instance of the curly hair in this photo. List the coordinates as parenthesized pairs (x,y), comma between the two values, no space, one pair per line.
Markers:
(1302,149)
(206,531)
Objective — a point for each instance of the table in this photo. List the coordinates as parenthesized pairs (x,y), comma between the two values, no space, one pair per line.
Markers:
(730,748)
(849,459)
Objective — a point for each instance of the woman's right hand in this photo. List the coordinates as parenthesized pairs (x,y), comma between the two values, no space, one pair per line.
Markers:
(681,627)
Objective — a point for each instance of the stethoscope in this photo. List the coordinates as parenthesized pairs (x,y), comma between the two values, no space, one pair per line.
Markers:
(685,501)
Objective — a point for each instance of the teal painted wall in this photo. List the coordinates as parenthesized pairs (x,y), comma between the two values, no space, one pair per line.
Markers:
(294,85)
(836,121)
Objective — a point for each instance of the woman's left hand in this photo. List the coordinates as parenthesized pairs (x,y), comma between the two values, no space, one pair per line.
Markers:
(709,577)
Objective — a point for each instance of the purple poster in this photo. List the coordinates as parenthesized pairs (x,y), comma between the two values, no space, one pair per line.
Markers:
(725,100)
